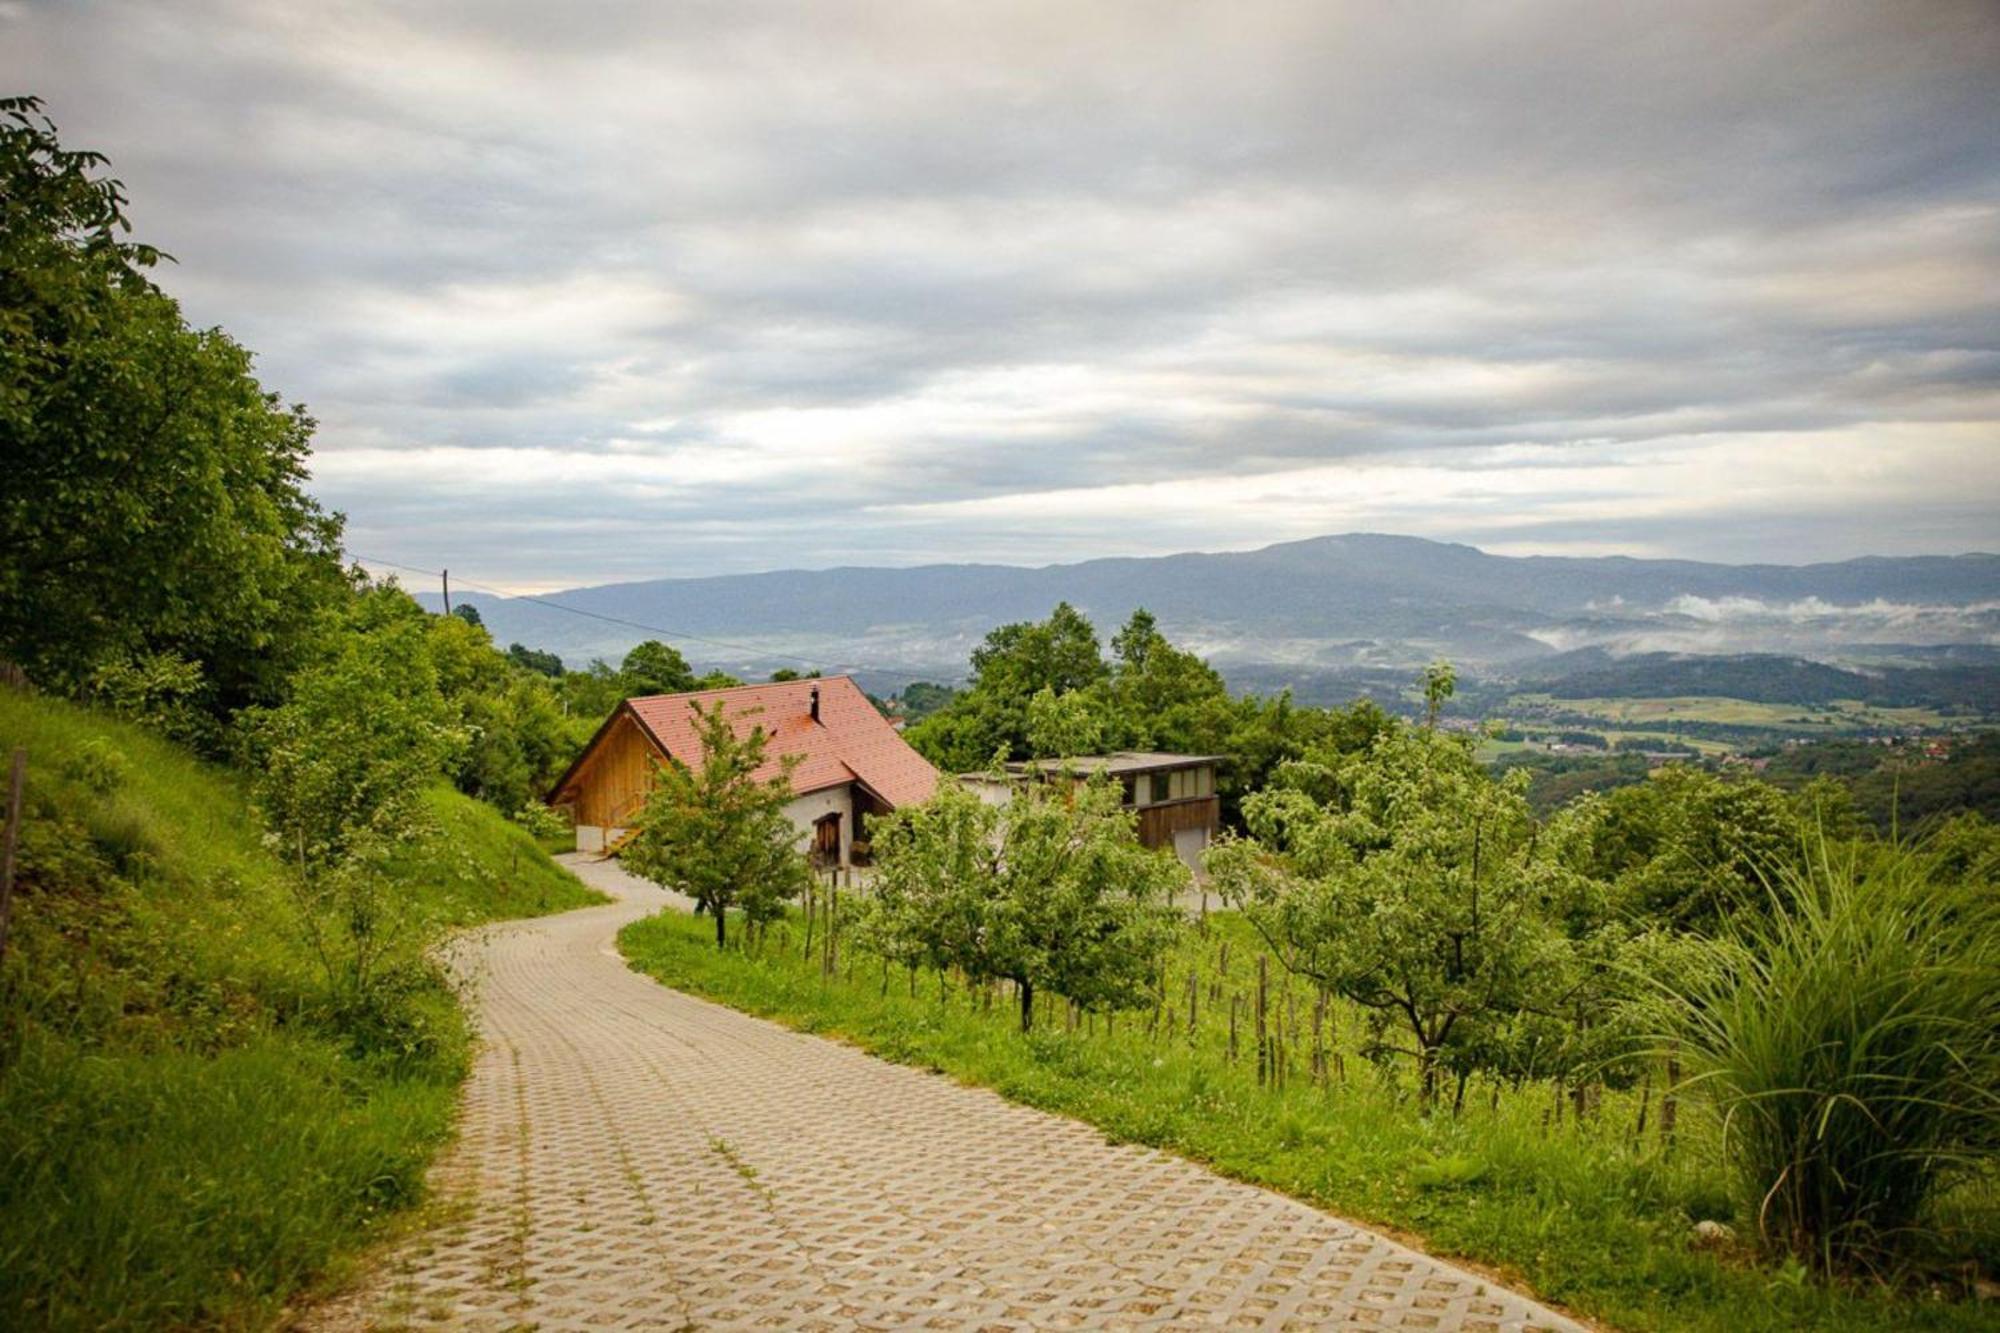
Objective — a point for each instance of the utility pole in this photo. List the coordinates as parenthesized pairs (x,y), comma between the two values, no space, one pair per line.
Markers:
(447,592)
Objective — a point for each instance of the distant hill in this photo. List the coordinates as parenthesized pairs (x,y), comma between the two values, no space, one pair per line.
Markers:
(1359,602)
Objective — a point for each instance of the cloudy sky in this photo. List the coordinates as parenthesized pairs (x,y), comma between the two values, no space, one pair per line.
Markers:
(592,291)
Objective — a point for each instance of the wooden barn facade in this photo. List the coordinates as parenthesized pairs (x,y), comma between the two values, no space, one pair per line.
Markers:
(852,765)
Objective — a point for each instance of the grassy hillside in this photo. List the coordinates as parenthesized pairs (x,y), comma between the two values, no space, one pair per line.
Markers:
(189,1131)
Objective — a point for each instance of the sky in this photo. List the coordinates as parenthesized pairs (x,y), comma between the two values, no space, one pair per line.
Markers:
(587,292)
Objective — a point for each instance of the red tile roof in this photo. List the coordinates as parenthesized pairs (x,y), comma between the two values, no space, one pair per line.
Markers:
(850,741)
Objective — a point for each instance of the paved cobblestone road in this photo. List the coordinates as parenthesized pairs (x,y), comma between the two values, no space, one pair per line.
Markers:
(631,1157)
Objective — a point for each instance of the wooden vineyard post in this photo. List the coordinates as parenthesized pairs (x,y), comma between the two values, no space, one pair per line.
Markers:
(1235,1002)
(832,906)
(1291,1033)
(17,779)
(1670,1104)
(1263,1037)
(1319,1042)
(1194,990)
(812,912)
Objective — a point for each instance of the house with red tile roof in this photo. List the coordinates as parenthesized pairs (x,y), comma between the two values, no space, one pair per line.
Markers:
(852,765)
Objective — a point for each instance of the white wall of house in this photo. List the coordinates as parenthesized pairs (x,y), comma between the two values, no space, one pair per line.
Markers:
(591,838)
(802,811)
(989,790)
(1189,843)
(805,810)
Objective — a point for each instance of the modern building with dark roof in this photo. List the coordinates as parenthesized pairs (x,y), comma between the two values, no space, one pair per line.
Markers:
(852,765)
(1173,794)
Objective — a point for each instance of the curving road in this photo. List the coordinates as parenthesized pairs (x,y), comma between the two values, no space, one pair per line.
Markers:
(631,1157)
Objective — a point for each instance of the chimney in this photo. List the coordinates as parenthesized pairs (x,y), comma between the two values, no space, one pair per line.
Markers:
(814,697)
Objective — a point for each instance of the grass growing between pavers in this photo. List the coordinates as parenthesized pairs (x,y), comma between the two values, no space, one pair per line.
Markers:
(1584,1214)
(187,1137)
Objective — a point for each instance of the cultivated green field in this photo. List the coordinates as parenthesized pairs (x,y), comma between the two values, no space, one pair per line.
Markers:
(190,1134)
(1841,715)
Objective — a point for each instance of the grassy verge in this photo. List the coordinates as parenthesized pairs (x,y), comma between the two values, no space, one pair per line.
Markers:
(1587,1214)
(187,1135)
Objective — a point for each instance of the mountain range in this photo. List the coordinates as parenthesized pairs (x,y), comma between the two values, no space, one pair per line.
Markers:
(1355,602)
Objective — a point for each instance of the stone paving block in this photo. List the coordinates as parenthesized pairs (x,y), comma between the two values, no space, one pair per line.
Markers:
(633,1158)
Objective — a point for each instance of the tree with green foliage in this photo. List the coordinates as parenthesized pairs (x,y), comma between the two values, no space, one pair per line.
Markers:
(469,613)
(1688,848)
(1062,726)
(1051,891)
(152,505)
(1016,661)
(535,660)
(346,758)
(1440,682)
(655,668)
(1411,884)
(718,832)
(341,770)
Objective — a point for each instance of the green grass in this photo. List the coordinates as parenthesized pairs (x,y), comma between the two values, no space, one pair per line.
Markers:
(1839,715)
(186,1137)
(1577,1213)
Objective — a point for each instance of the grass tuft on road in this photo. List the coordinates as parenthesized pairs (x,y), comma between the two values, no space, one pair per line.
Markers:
(188,1136)
(1580,1214)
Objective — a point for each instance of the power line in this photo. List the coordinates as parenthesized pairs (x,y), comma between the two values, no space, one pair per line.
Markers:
(904,669)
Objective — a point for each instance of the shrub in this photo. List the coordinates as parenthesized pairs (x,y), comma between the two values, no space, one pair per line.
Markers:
(1850,1044)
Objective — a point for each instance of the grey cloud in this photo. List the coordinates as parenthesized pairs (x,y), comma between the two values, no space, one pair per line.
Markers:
(1263,237)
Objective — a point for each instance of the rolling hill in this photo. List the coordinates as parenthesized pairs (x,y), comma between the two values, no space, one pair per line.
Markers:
(1328,604)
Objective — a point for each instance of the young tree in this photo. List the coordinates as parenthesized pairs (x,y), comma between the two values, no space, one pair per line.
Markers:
(346,758)
(1051,891)
(1411,884)
(718,833)
(1440,682)
(341,770)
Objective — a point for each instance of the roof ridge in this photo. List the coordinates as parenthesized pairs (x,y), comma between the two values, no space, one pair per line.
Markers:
(731,689)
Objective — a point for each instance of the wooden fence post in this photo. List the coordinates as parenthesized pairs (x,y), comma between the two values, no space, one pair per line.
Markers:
(1263,1038)
(1235,1002)
(17,780)
(1319,1038)
(1194,991)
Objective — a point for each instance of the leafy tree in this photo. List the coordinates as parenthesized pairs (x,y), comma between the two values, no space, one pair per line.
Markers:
(1163,697)
(718,833)
(654,668)
(1440,681)
(152,502)
(1410,883)
(345,759)
(469,613)
(535,660)
(1063,725)
(1051,891)
(921,698)
(1017,661)
(1688,848)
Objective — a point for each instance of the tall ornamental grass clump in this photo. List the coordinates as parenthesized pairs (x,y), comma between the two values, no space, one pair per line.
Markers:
(1850,1044)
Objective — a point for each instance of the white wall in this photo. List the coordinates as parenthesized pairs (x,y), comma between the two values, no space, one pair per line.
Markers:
(803,810)
(1189,844)
(988,790)
(591,838)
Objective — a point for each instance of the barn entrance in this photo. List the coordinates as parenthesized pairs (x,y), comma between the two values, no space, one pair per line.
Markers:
(826,840)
